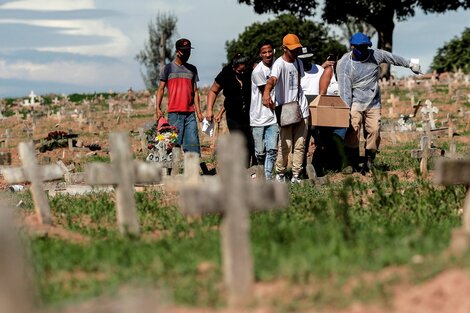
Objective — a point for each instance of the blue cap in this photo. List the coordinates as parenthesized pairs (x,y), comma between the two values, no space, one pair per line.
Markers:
(360,39)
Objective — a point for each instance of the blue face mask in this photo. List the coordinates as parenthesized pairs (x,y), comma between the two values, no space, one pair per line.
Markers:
(360,54)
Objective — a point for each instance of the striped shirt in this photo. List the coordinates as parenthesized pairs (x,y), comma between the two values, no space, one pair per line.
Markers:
(180,81)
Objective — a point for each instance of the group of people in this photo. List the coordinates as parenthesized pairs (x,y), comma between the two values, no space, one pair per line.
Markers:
(255,95)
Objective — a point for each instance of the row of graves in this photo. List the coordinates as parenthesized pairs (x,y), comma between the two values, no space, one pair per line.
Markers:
(432,107)
(230,193)
(58,122)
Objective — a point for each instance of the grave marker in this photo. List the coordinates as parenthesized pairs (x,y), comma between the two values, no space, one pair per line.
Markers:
(457,172)
(123,173)
(32,172)
(428,113)
(233,195)
(424,153)
(16,295)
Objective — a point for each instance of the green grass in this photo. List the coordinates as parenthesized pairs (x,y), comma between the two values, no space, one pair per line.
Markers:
(339,230)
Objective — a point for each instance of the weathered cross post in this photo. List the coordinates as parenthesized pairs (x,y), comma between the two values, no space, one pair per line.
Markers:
(16,295)
(424,153)
(32,172)
(124,173)
(457,172)
(233,195)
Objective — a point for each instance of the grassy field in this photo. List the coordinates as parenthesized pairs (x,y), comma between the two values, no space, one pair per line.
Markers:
(328,235)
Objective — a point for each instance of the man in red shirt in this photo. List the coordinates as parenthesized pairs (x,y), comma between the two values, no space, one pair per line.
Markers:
(180,78)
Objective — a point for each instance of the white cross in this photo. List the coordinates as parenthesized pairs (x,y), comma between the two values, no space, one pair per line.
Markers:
(32,98)
(428,113)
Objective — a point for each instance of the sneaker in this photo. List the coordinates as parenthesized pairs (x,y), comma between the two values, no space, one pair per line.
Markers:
(295,180)
(280,178)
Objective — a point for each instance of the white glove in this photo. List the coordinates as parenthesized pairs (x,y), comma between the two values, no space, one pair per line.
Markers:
(415,68)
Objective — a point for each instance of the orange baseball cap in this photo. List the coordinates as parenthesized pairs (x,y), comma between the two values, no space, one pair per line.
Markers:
(291,41)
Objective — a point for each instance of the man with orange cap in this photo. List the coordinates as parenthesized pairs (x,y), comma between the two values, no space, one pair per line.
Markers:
(286,73)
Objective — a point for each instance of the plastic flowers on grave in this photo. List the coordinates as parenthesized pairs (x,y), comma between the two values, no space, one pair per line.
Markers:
(168,136)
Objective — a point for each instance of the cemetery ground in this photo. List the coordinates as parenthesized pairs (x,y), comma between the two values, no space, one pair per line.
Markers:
(376,243)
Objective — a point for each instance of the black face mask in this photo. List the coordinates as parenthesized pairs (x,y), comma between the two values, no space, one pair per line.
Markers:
(361,52)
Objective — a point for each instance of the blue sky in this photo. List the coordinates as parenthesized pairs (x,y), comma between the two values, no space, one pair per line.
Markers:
(67,46)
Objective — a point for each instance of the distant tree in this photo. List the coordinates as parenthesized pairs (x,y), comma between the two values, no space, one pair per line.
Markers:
(378,13)
(453,55)
(312,35)
(354,25)
(158,50)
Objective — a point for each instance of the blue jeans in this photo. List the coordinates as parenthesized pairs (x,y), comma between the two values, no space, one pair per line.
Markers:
(266,140)
(188,137)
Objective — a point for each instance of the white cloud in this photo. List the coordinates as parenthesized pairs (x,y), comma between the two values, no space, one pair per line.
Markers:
(85,74)
(116,43)
(49,5)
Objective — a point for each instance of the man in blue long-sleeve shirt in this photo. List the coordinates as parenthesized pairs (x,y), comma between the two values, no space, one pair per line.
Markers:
(358,80)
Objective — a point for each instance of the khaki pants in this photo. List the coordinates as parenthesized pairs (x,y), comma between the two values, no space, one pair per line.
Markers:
(291,137)
(370,120)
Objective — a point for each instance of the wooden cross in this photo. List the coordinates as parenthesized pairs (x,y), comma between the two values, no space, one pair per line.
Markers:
(424,153)
(32,172)
(124,173)
(457,172)
(233,195)
(15,285)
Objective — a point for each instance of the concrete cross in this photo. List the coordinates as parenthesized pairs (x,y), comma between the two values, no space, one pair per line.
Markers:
(124,173)
(32,172)
(32,98)
(424,153)
(16,294)
(457,172)
(428,113)
(56,101)
(233,195)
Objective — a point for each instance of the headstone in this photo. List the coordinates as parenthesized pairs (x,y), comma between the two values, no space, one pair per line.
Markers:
(233,195)
(123,173)
(32,172)
(457,172)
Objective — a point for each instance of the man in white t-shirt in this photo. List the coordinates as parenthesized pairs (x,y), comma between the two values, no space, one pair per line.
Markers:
(263,120)
(286,73)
